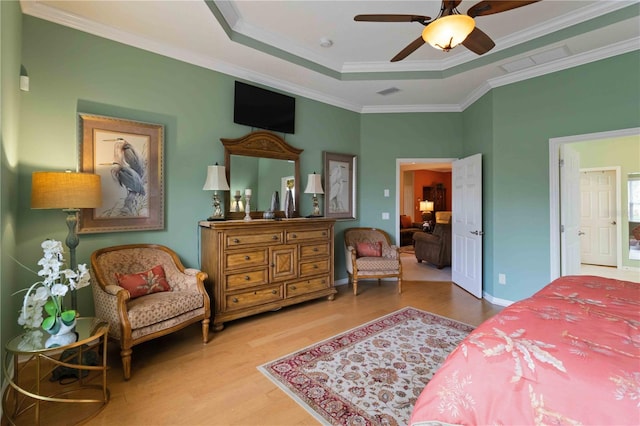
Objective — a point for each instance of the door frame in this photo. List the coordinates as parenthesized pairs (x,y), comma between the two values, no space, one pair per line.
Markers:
(555,249)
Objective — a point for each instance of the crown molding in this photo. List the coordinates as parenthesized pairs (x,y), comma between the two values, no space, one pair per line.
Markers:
(43,11)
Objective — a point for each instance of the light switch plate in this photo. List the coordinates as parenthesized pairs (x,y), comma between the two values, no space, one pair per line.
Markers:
(385,216)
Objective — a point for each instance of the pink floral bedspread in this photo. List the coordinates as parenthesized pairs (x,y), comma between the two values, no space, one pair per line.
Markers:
(568,355)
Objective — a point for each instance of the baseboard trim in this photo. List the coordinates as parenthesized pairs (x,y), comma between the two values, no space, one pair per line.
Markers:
(496,300)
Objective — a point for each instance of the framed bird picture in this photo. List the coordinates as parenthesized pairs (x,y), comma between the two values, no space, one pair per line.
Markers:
(128,157)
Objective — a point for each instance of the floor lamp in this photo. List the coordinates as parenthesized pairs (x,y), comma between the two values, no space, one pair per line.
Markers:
(69,191)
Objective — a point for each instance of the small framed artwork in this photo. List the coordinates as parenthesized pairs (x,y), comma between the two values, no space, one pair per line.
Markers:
(340,185)
(128,156)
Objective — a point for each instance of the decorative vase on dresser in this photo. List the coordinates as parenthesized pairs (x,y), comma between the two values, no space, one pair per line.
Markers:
(263,265)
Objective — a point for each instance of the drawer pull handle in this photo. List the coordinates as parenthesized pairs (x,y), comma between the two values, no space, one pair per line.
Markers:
(275,237)
(247,278)
(315,266)
(274,291)
(235,240)
(315,249)
(324,233)
(294,236)
(234,300)
(247,258)
(273,265)
(293,287)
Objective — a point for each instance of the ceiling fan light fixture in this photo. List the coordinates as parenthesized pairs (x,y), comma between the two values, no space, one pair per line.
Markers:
(449,31)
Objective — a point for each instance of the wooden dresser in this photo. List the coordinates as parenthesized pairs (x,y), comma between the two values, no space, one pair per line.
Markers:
(262,265)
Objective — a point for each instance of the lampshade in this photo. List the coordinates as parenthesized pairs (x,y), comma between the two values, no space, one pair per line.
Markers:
(65,190)
(426,206)
(216,179)
(314,184)
(449,31)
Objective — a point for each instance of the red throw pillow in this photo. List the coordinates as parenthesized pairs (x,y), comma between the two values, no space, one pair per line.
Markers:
(152,281)
(369,249)
(405,221)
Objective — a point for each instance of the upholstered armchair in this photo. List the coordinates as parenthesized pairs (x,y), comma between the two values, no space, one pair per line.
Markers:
(144,292)
(435,248)
(370,254)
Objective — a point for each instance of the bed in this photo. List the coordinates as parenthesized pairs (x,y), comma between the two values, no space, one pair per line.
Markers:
(569,355)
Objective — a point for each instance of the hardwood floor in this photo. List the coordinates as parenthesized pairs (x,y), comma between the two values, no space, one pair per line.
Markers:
(177,380)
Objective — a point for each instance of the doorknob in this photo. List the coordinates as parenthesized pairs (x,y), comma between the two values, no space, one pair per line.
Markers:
(580,233)
(477,232)
(613,223)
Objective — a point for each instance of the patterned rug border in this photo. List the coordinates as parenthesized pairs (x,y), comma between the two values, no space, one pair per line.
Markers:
(370,332)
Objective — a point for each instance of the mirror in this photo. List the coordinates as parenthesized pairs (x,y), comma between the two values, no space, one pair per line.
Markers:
(263,162)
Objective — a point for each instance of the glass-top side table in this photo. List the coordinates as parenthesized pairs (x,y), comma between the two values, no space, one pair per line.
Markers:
(33,388)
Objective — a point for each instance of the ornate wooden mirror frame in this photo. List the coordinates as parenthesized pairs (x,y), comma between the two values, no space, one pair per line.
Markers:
(261,144)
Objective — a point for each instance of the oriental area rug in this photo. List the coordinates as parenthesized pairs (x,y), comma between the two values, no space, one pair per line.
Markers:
(372,374)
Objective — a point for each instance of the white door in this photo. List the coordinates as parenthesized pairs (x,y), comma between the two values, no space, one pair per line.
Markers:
(569,211)
(466,259)
(598,217)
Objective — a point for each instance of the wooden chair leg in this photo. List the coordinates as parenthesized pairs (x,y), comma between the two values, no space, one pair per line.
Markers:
(125,354)
(205,330)
(355,285)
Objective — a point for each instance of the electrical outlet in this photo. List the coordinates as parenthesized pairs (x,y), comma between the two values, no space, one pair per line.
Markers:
(385,216)
(502,279)
(386,192)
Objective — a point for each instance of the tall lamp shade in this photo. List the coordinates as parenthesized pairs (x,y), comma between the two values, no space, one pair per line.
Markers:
(69,191)
(314,186)
(65,190)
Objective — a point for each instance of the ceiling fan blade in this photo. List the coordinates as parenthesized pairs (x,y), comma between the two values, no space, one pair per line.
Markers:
(392,18)
(489,7)
(412,47)
(478,42)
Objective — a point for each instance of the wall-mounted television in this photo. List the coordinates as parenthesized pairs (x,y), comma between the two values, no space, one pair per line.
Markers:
(257,107)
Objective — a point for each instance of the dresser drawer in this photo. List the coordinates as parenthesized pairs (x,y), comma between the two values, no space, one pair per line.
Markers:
(292,236)
(253,298)
(241,240)
(246,279)
(307,286)
(313,250)
(246,258)
(314,267)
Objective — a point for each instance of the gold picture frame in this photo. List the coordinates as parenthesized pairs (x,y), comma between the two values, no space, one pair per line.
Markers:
(128,156)
(340,185)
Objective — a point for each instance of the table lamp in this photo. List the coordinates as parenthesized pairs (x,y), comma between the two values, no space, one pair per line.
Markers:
(314,186)
(69,191)
(216,181)
(426,207)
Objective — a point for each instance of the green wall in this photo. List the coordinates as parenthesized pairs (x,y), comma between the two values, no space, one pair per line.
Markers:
(525,116)
(10,45)
(74,72)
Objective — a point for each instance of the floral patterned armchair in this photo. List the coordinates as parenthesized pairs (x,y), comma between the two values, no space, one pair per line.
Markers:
(370,254)
(144,292)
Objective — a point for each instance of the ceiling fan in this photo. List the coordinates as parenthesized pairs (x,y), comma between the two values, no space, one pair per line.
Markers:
(450,27)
